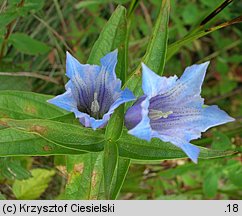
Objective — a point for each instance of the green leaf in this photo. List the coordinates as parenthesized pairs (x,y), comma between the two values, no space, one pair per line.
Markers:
(28,45)
(27,105)
(137,149)
(12,169)
(210,183)
(110,165)
(7,17)
(155,56)
(121,172)
(33,187)
(85,177)
(221,141)
(33,5)
(112,37)
(235,172)
(76,138)
(19,143)
(13,12)
(115,125)
(62,134)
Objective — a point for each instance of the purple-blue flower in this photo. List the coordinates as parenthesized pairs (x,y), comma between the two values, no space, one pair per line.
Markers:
(93,92)
(172,109)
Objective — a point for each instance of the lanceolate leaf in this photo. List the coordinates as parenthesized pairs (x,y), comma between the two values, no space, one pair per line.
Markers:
(15,142)
(45,137)
(155,55)
(112,37)
(28,45)
(65,135)
(27,105)
(134,148)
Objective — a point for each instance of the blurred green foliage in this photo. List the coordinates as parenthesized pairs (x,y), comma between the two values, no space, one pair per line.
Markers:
(34,36)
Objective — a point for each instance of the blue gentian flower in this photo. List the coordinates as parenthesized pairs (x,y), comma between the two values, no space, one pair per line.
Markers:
(93,92)
(172,109)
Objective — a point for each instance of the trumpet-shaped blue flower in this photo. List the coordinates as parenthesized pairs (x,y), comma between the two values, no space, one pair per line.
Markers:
(93,92)
(172,109)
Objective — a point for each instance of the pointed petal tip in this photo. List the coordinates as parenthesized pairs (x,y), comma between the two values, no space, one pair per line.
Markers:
(116,50)
(205,64)
(144,66)
(191,151)
(68,53)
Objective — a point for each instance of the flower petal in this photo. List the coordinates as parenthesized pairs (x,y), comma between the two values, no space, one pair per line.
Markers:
(125,96)
(142,130)
(153,84)
(109,62)
(188,123)
(134,114)
(76,70)
(65,101)
(188,87)
(191,151)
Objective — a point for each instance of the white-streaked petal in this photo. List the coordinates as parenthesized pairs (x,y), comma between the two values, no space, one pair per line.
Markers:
(65,101)
(153,84)
(109,62)
(76,70)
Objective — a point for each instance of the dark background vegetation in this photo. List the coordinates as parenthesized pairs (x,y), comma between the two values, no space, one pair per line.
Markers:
(32,58)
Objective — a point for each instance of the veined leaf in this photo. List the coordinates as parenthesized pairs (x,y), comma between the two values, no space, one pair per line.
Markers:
(34,186)
(14,142)
(28,45)
(27,105)
(134,148)
(85,177)
(155,55)
(112,37)
(62,134)
(44,137)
